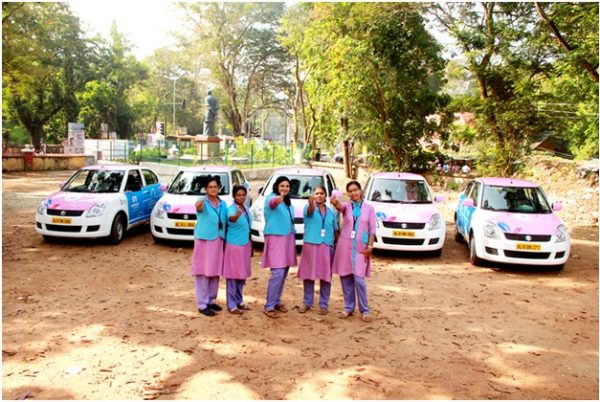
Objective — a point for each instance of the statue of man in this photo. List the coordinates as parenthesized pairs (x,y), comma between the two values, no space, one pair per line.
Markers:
(210,115)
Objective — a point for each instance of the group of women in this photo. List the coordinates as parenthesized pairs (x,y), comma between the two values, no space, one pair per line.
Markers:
(222,248)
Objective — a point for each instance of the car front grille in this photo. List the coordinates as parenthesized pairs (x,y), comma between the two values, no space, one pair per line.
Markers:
(521,237)
(63,212)
(526,254)
(184,232)
(63,228)
(398,225)
(183,217)
(401,241)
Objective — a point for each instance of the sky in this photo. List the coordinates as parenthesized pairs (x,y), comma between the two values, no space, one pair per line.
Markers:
(145,24)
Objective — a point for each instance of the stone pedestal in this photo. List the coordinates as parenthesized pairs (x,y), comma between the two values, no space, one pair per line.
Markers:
(208,146)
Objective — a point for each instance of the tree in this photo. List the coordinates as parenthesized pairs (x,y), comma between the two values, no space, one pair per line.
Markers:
(373,66)
(236,43)
(45,61)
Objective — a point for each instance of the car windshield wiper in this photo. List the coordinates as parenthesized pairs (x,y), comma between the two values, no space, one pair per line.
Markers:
(389,201)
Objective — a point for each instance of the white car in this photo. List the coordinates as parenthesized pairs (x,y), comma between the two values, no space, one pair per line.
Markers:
(303,182)
(510,221)
(174,215)
(100,201)
(407,216)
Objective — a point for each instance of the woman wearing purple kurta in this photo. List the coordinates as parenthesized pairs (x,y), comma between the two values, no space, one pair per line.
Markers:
(238,250)
(320,226)
(279,252)
(207,257)
(352,260)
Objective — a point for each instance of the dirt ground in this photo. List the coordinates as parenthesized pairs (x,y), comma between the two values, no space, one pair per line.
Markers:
(86,320)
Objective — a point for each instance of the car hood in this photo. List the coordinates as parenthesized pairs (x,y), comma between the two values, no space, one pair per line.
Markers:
(413,213)
(184,204)
(536,224)
(77,201)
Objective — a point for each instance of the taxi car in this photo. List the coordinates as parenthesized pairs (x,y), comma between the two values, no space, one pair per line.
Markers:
(302,185)
(511,221)
(174,215)
(408,218)
(100,201)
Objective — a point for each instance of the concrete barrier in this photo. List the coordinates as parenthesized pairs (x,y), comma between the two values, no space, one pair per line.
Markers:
(15,162)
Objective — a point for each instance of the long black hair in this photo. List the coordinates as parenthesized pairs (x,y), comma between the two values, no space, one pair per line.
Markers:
(357,184)
(281,179)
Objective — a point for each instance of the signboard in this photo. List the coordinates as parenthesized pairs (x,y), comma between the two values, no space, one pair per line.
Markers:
(75,138)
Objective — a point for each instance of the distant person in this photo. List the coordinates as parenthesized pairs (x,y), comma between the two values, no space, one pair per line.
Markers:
(318,155)
(352,259)
(446,168)
(320,225)
(207,257)
(237,266)
(279,252)
(465,169)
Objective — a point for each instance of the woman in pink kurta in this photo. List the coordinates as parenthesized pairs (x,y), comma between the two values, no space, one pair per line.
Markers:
(352,260)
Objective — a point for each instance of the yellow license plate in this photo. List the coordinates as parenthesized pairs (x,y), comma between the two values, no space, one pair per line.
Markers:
(61,220)
(528,246)
(185,224)
(403,233)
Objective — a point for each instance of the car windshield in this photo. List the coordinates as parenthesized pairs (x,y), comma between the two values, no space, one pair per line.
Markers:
(192,183)
(95,181)
(529,200)
(301,187)
(399,191)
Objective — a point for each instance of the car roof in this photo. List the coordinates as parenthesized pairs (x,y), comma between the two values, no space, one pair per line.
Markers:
(208,168)
(111,167)
(506,182)
(397,175)
(300,171)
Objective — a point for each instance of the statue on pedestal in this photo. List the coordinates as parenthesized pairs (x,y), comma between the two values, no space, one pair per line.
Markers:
(210,115)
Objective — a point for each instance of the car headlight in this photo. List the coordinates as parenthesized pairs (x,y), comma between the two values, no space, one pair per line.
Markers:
(96,210)
(257,214)
(561,233)
(489,230)
(159,212)
(435,222)
(41,209)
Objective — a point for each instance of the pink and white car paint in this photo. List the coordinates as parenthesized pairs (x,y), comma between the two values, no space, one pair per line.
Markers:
(510,221)
(174,216)
(99,201)
(407,217)
(303,182)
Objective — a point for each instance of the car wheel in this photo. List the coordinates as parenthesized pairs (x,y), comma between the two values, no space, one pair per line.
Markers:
(436,253)
(457,236)
(117,230)
(473,253)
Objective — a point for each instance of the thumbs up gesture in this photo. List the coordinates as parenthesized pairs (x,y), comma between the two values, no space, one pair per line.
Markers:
(200,205)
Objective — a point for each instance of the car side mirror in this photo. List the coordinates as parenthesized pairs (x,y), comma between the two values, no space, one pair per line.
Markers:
(556,206)
(439,198)
(468,202)
(163,187)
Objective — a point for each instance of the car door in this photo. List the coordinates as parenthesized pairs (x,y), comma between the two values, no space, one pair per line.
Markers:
(469,211)
(133,193)
(151,192)
(461,216)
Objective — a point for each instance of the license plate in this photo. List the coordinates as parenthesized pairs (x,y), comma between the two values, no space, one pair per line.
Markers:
(528,246)
(403,233)
(61,220)
(185,224)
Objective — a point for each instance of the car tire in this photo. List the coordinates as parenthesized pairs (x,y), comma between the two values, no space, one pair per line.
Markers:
(475,260)
(117,229)
(457,236)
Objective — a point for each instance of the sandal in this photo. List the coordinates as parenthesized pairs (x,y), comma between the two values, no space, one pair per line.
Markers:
(242,306)
(281,307)
(303,309)
(343,314)
(271,314)
(236,311)
(366,317)
(323,311)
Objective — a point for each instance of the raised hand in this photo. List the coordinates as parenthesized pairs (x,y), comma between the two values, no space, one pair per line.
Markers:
(200,205)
